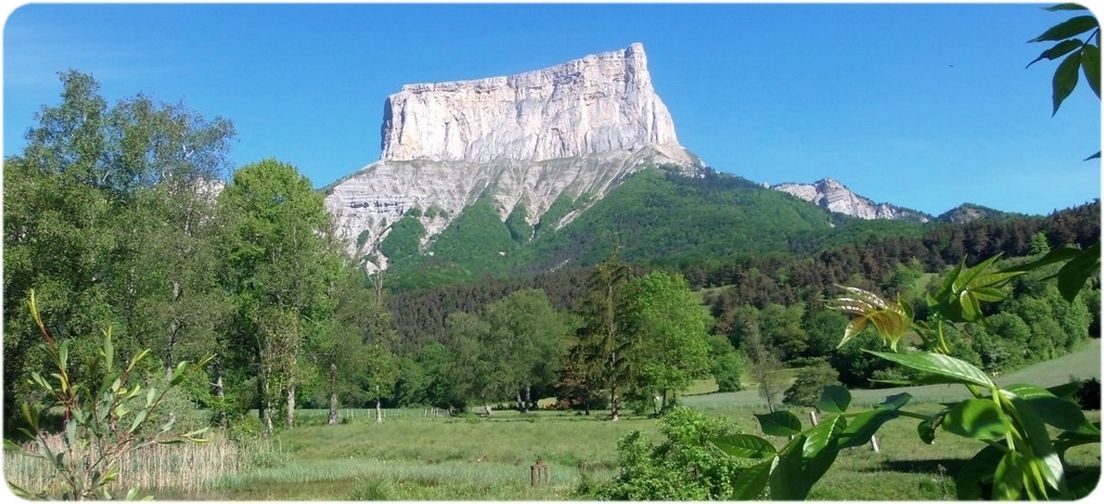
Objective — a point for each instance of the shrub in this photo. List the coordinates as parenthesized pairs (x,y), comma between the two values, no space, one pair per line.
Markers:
(810,382)
(684,467)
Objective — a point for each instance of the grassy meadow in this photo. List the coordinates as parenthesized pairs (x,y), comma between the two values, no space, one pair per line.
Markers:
(416,454)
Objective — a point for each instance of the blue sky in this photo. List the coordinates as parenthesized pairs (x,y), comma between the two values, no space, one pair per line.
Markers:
(925,106)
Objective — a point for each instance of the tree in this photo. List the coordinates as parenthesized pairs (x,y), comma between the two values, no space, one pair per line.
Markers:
(535,344)
(781,327)
(474,360)
(604,344)
(278,269)
(671,330)
(809,384)
(107,214)
(765,368)
(380,374)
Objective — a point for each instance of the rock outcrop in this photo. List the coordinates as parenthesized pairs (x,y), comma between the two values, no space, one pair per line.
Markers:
(836,197)
(596,104)
(579,127)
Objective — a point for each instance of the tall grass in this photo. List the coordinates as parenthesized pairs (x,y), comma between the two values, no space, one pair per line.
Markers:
(180,467)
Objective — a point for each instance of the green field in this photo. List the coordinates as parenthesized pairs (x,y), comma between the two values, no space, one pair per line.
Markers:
(414,456)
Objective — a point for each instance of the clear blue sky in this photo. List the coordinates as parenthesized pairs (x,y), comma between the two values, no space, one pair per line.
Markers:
(865,94)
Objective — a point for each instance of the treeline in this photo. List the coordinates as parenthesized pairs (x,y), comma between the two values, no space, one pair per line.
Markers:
(117,217)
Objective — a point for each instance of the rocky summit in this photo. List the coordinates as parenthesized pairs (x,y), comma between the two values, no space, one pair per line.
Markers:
(578,127)
(836,197)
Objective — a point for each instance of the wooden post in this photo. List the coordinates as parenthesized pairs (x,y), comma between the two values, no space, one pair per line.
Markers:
(874,444)
(538,473)
(812,416)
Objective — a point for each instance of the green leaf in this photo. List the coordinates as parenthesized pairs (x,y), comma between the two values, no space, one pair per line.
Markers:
(939,364)
(751,481)
(976,418)
(976,471)
(860,429)
(1058,50)
(744,446)
(1008,479)
(1090,65)
(141,417)
(1065,391)
(834,399)
(821,436)
(1072,276)
(779,423)
(1065,79)
(1068,28)
(1065,6)
(1054,410)
(786,480)
(108,352)
(896,401)
(1037,437)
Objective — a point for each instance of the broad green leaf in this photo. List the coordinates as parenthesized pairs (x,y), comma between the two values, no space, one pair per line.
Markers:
(1072,276)
(1054,410)
(821,436)
(814,468)
(988,294)
(896,401)
(1037,437)
(108,352)
(1065,79)
(786,479)
(1065,6)
(30,415)
(744,446)
(834,399)
(976,471)
(751,481)
(862,427)
(1065,391)
(939,364)
(1058,50)
(779,423)
(1090,65)
(150,394)
(1008,479)
(976,418)
(1067,29)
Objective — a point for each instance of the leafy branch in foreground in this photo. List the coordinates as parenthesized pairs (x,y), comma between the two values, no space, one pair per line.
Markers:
(1018,459)
(1079,55)
(103,414)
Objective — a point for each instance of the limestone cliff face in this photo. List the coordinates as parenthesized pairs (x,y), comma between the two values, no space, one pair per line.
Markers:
(582,126)
(596,104)
(836,197)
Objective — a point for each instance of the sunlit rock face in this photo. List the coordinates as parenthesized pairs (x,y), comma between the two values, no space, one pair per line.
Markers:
(579,127)
(836,197)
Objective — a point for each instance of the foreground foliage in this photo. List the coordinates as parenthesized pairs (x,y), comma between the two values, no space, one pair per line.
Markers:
(104,414)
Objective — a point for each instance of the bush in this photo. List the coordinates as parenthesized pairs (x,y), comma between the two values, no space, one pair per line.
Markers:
(685,467)
(727,370)
(810,382)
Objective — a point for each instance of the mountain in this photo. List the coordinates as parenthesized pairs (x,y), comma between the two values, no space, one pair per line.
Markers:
(836,197)
(969,212)
(514,146)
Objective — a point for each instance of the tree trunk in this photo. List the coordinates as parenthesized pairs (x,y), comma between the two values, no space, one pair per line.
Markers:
(290,418)
(529,398)
(379,408)
(613,403)
(586,397)
(517,401)
(266,401)
(486,406)
(220,395)
(663,406)
(173,332)
(333,394)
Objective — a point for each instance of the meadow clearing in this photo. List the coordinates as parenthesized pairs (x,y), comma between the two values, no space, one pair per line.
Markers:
(414,455)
